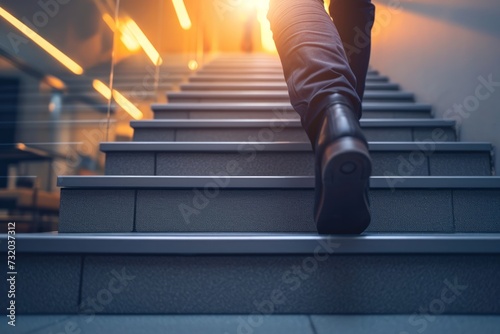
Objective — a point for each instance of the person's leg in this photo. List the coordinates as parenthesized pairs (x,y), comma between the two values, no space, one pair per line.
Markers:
(354,21)
(322,89)
(313,59)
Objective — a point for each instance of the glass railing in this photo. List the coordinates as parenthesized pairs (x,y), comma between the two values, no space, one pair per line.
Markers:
(74,74)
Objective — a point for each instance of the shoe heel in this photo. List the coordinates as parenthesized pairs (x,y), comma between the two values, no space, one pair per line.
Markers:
(347,157)
(346,169)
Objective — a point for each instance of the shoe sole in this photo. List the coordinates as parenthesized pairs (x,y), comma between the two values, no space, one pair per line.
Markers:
(343,206)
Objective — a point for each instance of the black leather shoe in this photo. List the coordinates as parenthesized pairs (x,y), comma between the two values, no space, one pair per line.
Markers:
(343,168)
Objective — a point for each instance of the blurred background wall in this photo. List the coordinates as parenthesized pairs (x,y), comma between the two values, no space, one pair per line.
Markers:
(445,51)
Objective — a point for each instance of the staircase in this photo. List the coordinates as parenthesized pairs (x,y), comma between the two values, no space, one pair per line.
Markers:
(203,223)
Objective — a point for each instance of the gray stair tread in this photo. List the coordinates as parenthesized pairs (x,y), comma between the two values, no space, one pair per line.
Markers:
(161,204)
(270,106)
(243,67)
(253,58)
(222,284)
(240,70)
(243,70)
(396,95)
(405,324)
(287,146)
(261,78)
(270,324)
(126,69)
(128,84)
(258,123)
(223,75)
(178,324)
(69,106)
(256,243)
(246,59)
(281,86)
(33,323)
(292,158)
(139,85)
(273,182)
(119,78)
(243,64)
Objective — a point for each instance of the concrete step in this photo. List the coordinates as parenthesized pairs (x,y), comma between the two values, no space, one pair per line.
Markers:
(252,274)
(130,85)
(241,59)
(258,243)
(124,79)
(241,70)
(291,159)
(261,323)
(267,86)
(278,129)
(267,110)
(243,66)
(260,78)
(230,63)
(127,69)
(225,203)
(244,58)
(267,96)
(34,111)
(91,95)
(244,70)
(89,98)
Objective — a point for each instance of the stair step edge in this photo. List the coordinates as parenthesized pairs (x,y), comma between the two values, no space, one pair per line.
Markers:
(266,93)
(254,106)
(271,182)
(253,243)
(292,123)
(288,146)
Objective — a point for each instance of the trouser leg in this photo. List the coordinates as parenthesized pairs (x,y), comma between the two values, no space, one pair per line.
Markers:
(354,21)
(313,58)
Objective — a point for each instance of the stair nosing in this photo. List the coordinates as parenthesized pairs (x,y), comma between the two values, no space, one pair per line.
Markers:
(247,123)
(199,73)
(270,182)
(400,95)
(211,77)
(253,243)
(283,85)
(267,106)
(288,146)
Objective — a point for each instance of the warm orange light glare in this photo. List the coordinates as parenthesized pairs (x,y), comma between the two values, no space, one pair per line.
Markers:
(43,43)
(102,89)
(327,5)
(54,82)
(125,34)
(182,14)
(266,35)
(128,106)
(146,45)
(128,39)
(122,101)
(52,107)
(109,21)
(193,65)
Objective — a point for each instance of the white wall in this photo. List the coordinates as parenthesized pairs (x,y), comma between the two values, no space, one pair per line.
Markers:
(444,51)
